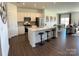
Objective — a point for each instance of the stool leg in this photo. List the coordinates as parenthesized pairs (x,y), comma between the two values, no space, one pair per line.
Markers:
(53,35)
(47,38)
(41,43)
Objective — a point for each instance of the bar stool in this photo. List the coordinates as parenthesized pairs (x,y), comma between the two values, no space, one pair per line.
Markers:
(41,34)
(54,33)
(47,35)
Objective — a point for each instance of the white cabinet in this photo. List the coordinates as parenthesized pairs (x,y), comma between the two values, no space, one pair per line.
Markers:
(21,30)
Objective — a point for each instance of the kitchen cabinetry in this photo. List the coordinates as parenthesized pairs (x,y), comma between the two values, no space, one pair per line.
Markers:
(21,29)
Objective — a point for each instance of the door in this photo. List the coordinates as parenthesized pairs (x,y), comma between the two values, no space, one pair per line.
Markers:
(4,42)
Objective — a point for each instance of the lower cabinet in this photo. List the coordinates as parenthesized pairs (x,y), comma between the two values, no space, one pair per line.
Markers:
(21,30)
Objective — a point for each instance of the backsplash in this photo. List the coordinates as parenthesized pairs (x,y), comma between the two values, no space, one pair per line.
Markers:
(21,23)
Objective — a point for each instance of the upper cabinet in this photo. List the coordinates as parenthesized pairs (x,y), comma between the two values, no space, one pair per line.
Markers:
(33,13)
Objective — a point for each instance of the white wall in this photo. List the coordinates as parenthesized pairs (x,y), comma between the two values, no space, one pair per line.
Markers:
(4,42)
(50,12)
(12,19)
(75,17)
(65,8)
(24,12)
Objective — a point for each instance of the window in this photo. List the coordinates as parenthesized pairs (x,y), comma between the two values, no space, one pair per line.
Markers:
(64,19)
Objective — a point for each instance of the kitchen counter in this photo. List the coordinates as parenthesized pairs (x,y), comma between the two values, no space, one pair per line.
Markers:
(34,37)
(34,28)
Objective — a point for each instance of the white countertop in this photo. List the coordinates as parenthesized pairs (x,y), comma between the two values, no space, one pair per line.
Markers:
(35,28)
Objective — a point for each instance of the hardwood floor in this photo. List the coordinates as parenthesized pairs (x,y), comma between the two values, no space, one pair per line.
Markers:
(62,46)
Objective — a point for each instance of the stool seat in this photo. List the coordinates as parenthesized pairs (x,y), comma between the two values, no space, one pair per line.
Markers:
(47,31)
(47,35)
(54,29)
(41,33)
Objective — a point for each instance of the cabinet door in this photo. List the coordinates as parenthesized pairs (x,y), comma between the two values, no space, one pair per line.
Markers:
(21,30)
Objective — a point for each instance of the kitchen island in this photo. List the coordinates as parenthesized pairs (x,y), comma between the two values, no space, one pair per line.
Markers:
(34,37)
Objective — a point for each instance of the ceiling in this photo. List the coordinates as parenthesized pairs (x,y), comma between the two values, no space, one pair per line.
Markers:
(43,5)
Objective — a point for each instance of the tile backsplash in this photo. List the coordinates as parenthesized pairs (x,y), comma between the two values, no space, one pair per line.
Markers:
(21,23)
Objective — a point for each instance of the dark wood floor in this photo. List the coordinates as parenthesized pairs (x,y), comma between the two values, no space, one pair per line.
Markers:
(62,46)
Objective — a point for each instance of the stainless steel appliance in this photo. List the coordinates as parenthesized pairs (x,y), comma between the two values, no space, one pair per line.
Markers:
(40,21)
